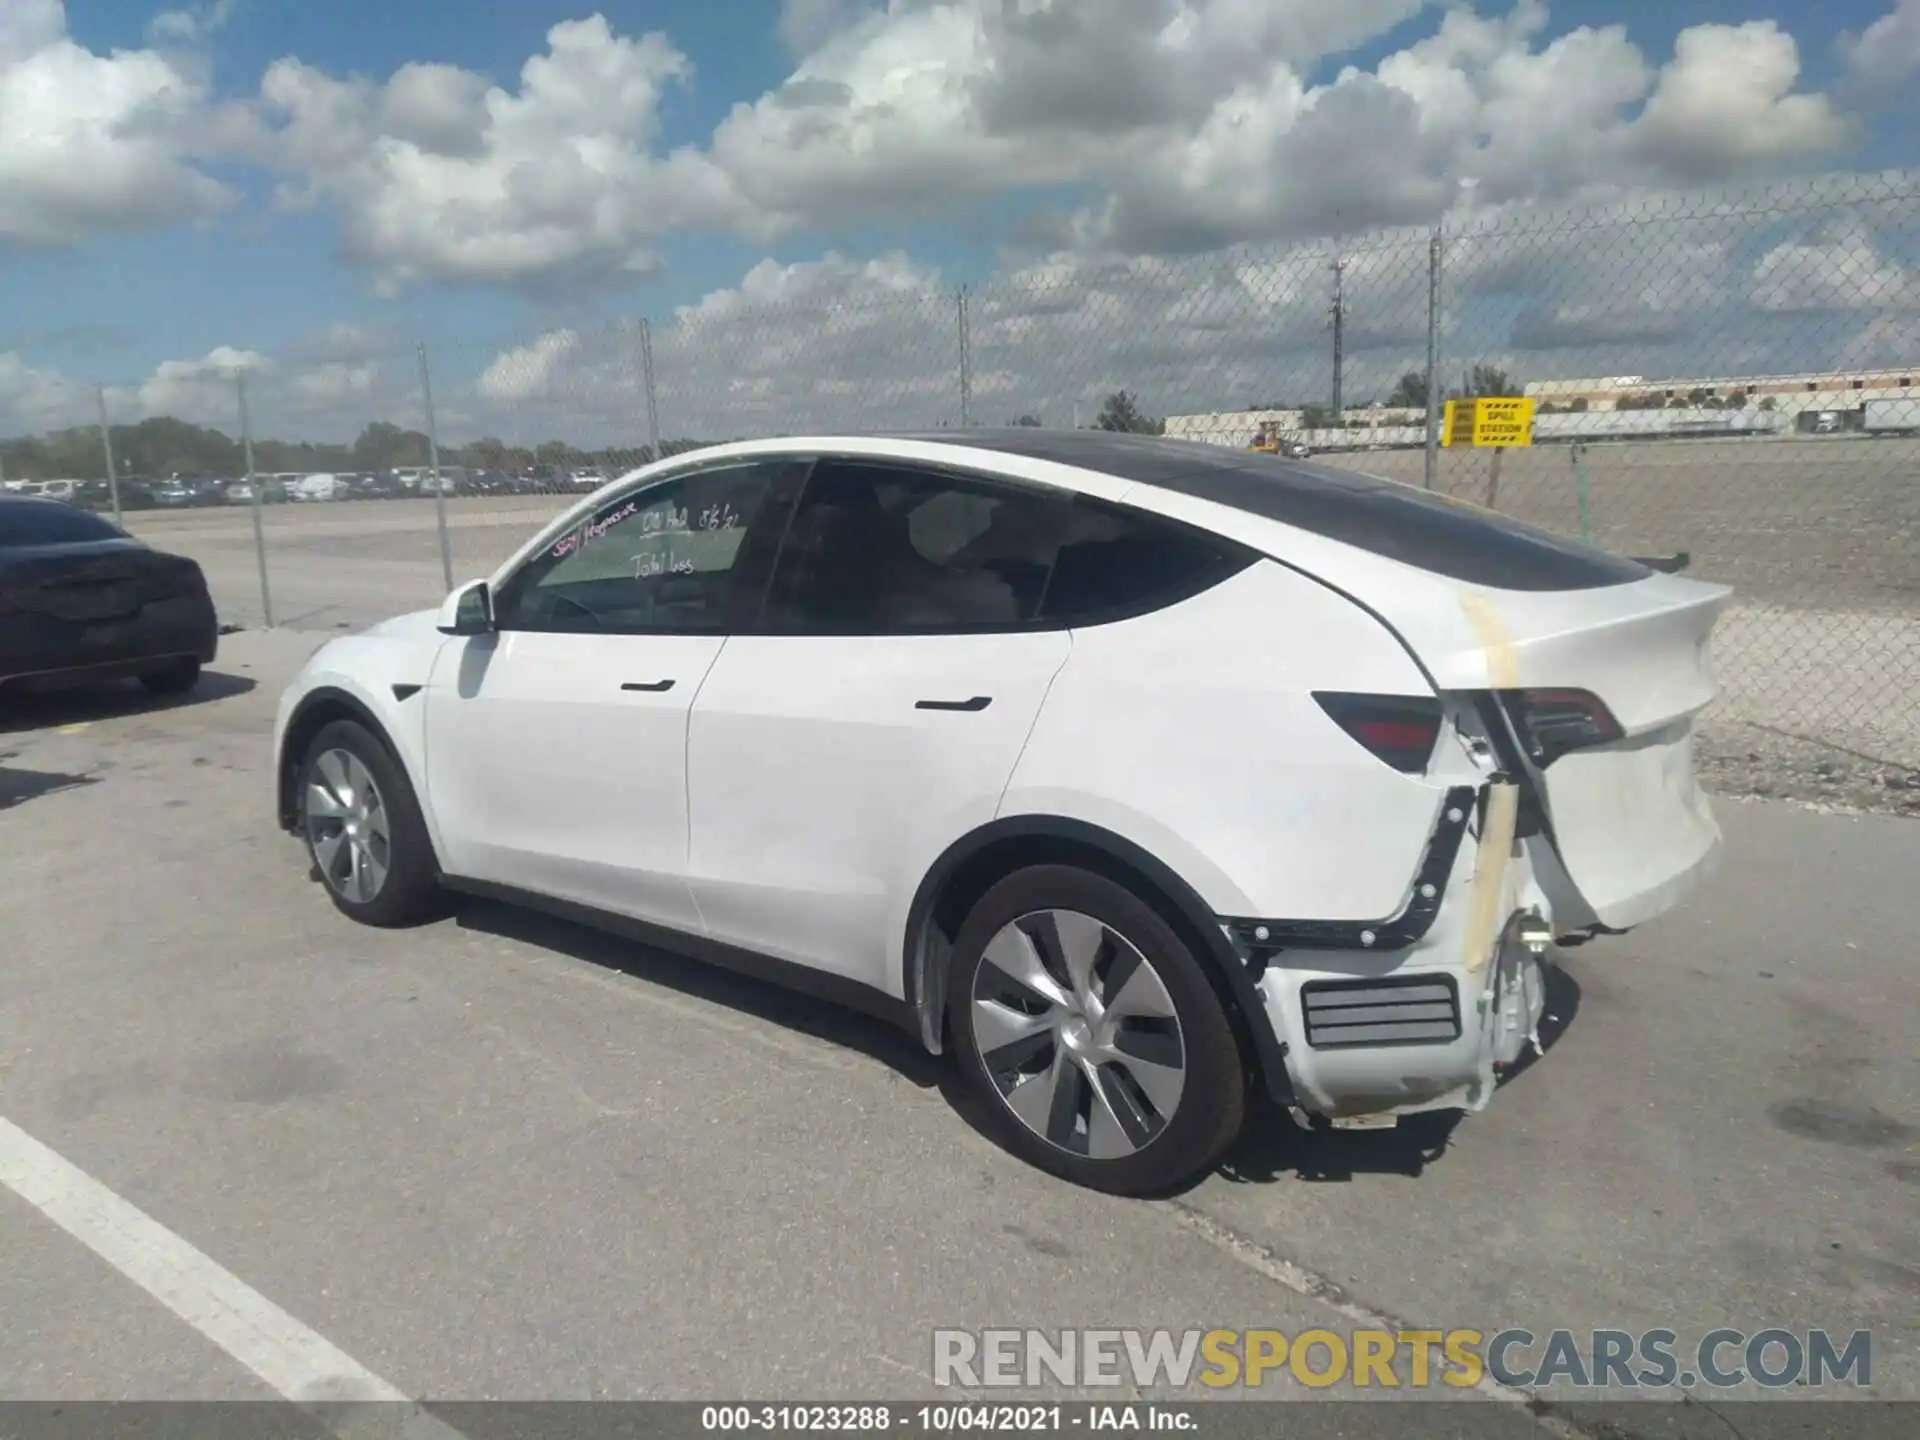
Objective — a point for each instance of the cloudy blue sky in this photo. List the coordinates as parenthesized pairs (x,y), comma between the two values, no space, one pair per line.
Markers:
(1147,190)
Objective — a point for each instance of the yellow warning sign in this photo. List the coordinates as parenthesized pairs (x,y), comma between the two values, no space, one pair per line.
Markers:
(1489,422)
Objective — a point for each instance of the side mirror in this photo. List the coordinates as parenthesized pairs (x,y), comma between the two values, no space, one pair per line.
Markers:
(468,610)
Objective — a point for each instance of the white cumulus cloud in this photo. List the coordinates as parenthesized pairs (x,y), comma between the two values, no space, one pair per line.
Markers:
(1841,265)
(438,173)
(1177,126)
(96,142)
(1887,53)
(1199,123)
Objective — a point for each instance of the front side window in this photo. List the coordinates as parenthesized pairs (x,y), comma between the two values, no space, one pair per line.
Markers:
(664,558)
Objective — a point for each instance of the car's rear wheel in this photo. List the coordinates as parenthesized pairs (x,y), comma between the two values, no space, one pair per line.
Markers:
(176,677)
(363,829)
(1091,1035)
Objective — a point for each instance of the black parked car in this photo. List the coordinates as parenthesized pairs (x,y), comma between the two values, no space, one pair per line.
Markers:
(184,493)
(381,486)
(487,482)
(81,600)
(136,493)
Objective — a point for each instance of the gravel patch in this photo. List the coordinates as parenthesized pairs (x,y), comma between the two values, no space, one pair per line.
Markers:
(1744,760)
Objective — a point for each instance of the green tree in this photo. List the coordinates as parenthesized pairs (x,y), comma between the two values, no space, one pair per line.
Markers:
(382,446)
(1122,412)
(1316,417)
(487,453)
(1489,380)
(1410,393)
(559,454)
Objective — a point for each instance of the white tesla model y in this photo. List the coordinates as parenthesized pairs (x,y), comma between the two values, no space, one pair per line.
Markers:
(1143,776)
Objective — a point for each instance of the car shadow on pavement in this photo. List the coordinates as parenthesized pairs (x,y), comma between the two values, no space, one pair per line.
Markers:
(25,710)
(1272,1147)
(17,786)
(821,1019)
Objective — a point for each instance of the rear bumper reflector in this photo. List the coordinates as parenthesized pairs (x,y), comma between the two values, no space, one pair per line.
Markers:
(1404,1010)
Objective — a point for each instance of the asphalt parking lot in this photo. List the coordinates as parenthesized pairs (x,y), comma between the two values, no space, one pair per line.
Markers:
(501,1157)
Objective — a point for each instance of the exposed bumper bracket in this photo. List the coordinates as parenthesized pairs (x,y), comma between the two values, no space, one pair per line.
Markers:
(1260,938)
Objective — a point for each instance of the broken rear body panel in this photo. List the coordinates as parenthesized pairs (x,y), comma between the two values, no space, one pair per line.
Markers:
(1599,836)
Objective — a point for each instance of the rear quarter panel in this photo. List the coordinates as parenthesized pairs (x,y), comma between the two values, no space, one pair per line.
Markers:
(1193,732)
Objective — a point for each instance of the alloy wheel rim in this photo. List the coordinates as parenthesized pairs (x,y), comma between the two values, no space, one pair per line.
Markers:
(1079,1034)
(347,826)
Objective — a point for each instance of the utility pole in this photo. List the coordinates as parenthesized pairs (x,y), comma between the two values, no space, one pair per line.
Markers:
(106,443)
(433,462)
(1339,333)
(653,395)
(966,363)
(1434,410)
(253,487)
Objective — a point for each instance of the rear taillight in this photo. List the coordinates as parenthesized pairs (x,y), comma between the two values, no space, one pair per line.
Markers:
(1552,723)
(170,576)
(1400,730)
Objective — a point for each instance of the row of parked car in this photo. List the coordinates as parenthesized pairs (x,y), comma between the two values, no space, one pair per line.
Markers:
(141,492)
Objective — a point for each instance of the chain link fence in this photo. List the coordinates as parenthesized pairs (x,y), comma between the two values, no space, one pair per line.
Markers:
(1726,377)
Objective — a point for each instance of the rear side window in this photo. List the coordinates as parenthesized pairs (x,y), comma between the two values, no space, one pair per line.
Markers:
(881,549)
(1113,563)
(1402,522)
(48,522)
(876,549)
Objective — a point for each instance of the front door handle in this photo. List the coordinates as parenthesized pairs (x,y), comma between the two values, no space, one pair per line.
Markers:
(978,702)
(656,688)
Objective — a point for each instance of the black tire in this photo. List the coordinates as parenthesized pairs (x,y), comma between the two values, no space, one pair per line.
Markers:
(1212,1105)
(410,892)
(176,677)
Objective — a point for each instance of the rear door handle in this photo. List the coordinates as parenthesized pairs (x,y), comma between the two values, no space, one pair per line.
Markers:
(657,687)
(978,702)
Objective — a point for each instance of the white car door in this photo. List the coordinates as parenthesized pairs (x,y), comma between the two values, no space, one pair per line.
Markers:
(875,718)
(556,746)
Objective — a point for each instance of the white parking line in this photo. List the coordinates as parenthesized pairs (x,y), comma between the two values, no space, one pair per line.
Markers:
(295,1361)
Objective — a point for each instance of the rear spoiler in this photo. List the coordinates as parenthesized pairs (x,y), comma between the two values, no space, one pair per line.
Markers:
(1665,564)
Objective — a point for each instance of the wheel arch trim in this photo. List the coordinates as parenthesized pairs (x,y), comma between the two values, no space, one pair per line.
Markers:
(925,964)
(332,696)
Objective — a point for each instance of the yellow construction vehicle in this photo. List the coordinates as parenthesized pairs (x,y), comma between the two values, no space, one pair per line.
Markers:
(1270,439)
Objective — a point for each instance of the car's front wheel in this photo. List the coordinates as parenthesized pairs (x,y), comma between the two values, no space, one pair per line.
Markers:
(363,829)
(1091,1035)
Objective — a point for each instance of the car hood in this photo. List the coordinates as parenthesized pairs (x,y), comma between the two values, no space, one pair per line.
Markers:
(418,625)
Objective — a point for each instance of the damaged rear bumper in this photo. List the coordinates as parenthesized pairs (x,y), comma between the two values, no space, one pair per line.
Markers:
(1422,1011)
